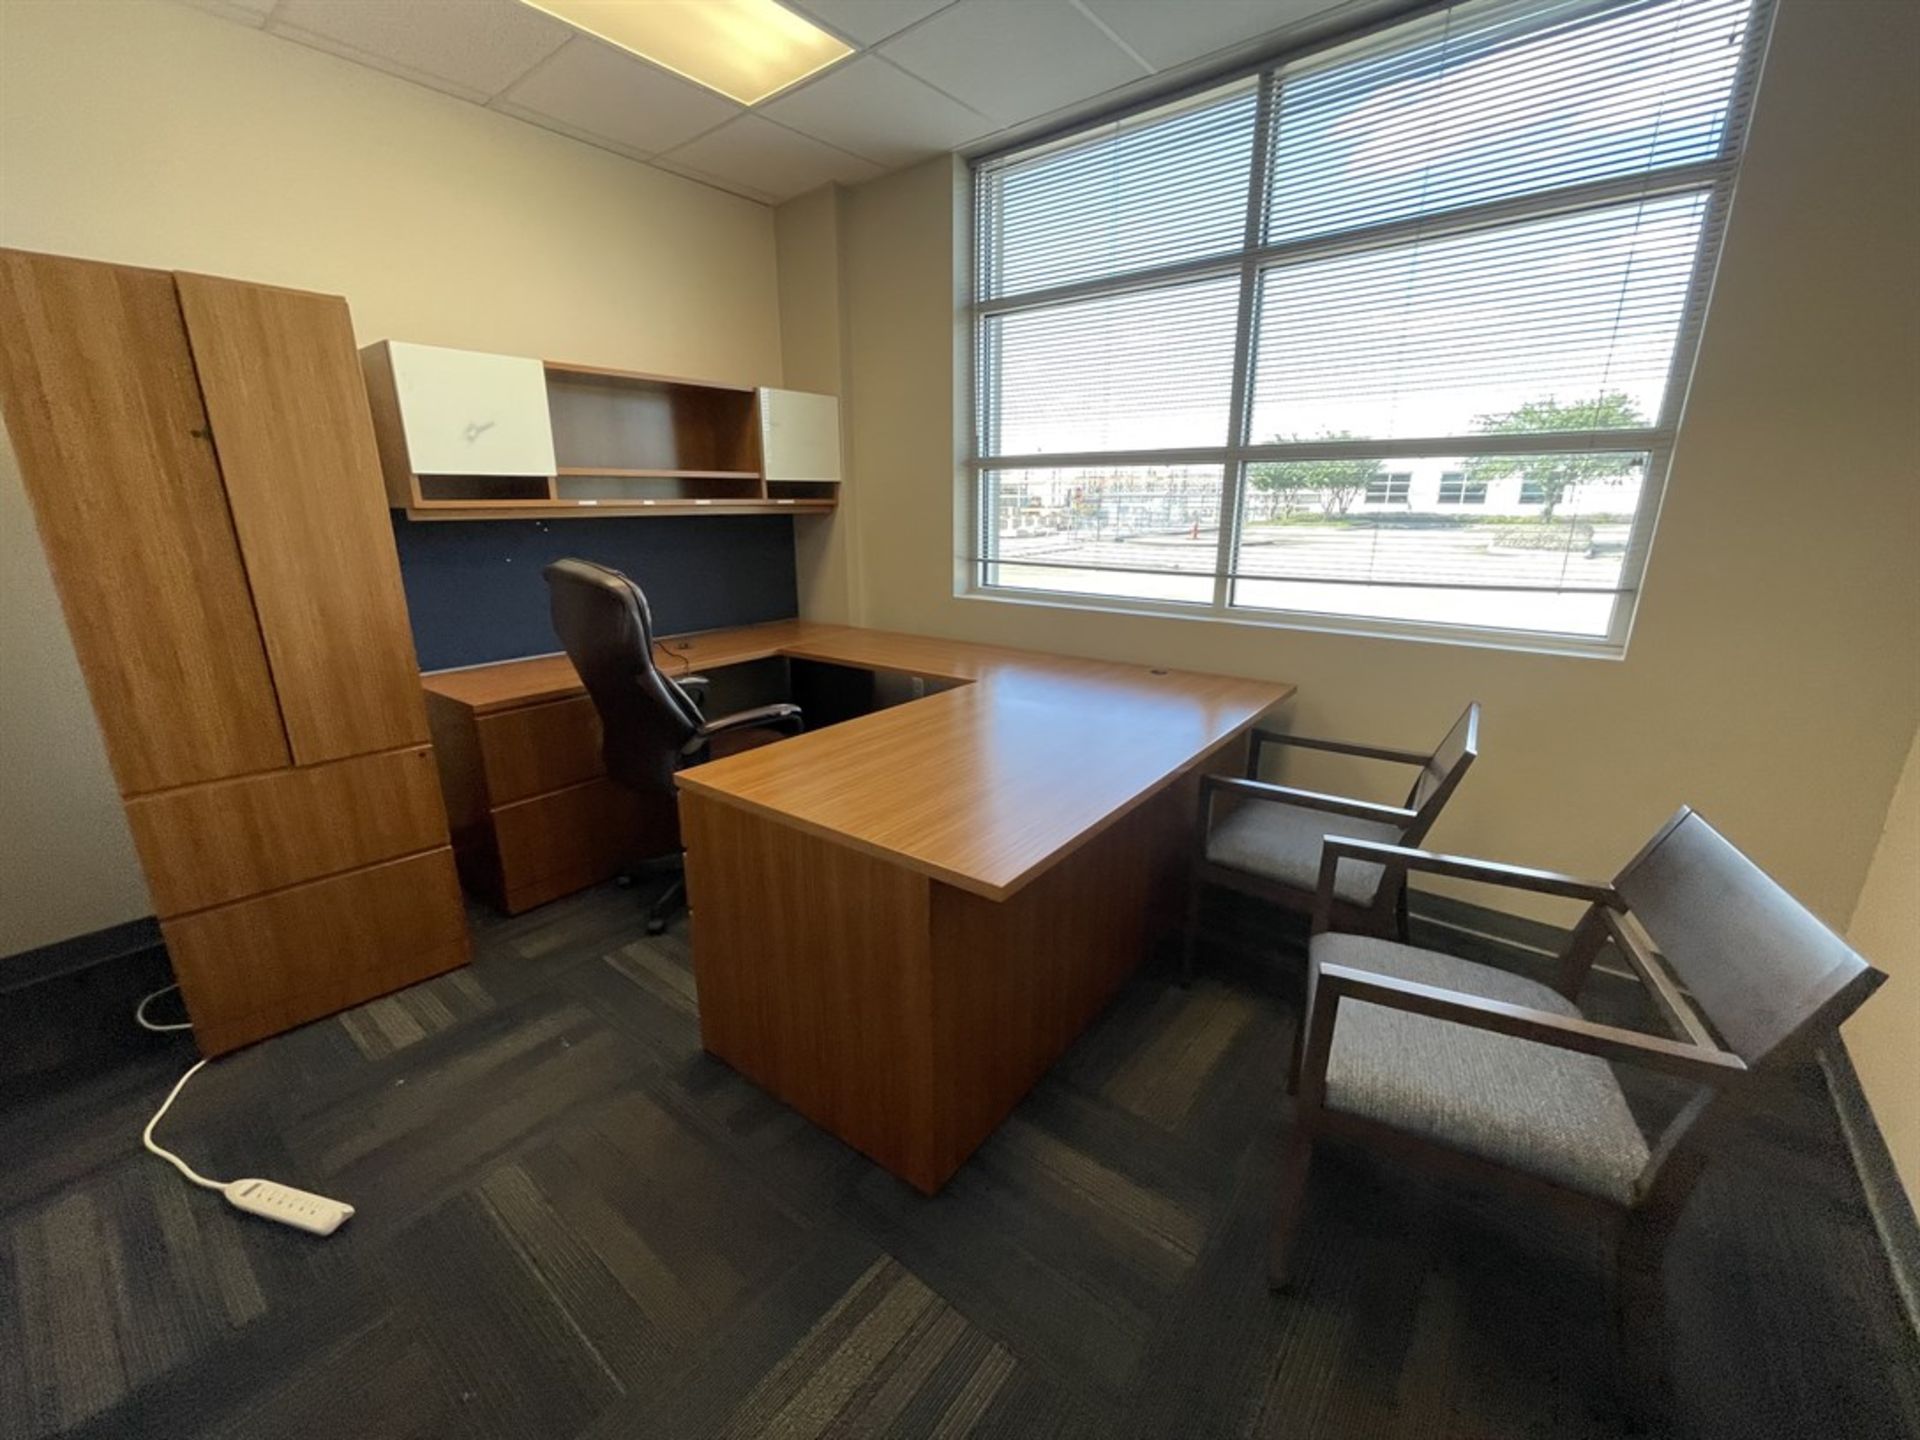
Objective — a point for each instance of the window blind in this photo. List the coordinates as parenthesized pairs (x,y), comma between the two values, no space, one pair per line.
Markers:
(1397,331)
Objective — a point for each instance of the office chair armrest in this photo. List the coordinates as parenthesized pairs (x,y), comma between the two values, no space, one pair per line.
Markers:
(696,687)
(1337,747)
(1702,1064)
(1305,799)
(784,718)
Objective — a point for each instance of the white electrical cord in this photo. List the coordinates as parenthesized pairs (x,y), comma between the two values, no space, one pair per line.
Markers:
(140,1014)
(146,1136)
(302,1209)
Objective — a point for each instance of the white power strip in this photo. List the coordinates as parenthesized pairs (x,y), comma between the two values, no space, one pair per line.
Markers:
(268,1199)
(301,1209)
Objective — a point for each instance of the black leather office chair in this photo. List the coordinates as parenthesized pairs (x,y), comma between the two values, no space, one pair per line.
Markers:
(651,722)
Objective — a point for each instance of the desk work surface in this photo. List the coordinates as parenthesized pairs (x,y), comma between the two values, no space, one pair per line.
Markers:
(981,786)
(509,684)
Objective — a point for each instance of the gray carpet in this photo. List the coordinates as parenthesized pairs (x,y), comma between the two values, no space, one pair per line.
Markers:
(573,1224)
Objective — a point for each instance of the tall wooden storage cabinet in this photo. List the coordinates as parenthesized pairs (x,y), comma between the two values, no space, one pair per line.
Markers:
(200,458)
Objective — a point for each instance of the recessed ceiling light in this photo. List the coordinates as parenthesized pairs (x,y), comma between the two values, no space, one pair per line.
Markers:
(745,49)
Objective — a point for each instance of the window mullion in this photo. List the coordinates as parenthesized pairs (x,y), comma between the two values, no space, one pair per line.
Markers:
(1232,474)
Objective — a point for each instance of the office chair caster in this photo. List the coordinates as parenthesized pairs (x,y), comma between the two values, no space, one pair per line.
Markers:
(669,903)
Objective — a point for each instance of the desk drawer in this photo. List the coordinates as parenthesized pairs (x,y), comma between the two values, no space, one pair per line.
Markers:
(205,845)
(539,748)
(555,844)
(264,965)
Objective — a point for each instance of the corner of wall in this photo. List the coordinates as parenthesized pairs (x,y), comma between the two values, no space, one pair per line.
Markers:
(1883,1037)
(810,259)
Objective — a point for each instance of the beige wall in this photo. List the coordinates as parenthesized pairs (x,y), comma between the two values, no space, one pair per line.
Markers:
(807,235)
(154,134)
(1884,1037)
(1773,679)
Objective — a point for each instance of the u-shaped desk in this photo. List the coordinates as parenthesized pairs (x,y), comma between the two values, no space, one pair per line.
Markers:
(901,920)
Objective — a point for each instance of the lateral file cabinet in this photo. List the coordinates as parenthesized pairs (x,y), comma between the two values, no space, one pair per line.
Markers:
(534,815)
(200,459)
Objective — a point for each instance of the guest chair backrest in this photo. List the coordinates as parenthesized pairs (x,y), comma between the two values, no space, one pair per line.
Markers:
(1763,970)
(607,631)
(1443,772)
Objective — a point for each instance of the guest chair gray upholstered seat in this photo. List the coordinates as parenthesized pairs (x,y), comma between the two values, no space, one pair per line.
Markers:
(1491,1076)
(1266,839)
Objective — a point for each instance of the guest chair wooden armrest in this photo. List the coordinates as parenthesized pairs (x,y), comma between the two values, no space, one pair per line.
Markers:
(1266,790)
(1493,1077)
(1269,844)
(1260,738)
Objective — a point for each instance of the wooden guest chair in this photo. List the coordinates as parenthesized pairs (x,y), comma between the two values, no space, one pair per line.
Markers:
(1495,1077)
(1269,846)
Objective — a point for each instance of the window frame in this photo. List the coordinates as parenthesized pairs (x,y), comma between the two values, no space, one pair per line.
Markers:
(1715,179)
(1396,487)
(1467,492)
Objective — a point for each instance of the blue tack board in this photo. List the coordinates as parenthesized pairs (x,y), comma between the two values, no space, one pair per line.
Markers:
(475,593)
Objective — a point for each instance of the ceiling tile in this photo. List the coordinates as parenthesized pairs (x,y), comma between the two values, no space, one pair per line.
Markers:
(867,22)
(1167,35)
(872,109)
(476,48)
(1014,59)
(731,187)
(593,89)
(770,159)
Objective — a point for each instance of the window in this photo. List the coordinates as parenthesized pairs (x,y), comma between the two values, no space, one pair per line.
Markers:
(1389,489)
(1456,489)
(1255,353)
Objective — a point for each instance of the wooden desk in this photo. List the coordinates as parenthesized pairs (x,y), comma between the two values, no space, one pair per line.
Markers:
(901,921)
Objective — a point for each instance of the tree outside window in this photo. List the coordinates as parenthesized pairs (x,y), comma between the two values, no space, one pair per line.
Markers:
(1547,479)
(1292,484)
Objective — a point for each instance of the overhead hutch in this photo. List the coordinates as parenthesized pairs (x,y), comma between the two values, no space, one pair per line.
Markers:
(470,436)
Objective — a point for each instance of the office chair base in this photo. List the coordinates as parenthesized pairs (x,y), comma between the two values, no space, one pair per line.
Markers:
(666,905)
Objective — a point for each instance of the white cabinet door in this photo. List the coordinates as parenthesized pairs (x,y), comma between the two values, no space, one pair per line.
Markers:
(470,413)
(799,435)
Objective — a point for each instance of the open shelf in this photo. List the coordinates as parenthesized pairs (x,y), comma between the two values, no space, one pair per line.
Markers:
(586,509)
(613,472)
(611,422)
(638,486)
(512,438)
